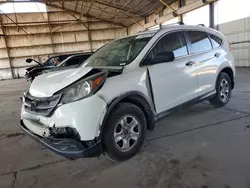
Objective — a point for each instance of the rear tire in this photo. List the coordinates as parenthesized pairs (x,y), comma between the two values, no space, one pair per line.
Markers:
(124,132)
(223,91)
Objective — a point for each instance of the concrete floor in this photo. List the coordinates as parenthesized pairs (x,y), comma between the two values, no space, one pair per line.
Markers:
(198,147)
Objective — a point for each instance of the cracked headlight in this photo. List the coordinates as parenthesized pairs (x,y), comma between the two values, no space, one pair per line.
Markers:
(83,88)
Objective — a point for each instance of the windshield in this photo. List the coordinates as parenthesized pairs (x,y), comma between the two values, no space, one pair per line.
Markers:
(119,52)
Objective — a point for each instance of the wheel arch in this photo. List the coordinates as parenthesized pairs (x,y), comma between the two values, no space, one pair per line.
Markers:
(230,73)
(136,98)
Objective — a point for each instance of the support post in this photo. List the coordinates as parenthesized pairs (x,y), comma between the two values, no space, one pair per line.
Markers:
(50,34)
(181,3)
(211,15)
(89,36)
(127,31)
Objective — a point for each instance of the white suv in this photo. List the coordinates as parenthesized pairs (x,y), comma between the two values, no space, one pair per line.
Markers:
(107,104)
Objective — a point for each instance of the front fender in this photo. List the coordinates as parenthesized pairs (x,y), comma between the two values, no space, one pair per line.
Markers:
(136,98)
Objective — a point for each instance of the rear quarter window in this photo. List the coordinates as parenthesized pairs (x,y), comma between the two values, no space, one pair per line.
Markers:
(216,41)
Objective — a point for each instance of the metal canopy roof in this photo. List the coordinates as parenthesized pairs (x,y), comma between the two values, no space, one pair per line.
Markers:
(122,12)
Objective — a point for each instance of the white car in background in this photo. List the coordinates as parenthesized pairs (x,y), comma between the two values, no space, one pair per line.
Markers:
(106,105)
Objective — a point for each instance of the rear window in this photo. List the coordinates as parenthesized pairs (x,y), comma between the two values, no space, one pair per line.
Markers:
(216,41)
(199,41)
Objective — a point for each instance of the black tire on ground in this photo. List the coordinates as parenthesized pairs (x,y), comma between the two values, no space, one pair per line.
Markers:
(220,101)
(109,145)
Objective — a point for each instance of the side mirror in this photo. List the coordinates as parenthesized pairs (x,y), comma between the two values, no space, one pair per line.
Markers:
(162,58)
(29,60)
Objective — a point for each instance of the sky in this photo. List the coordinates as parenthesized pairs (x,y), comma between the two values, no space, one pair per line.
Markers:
(22,7)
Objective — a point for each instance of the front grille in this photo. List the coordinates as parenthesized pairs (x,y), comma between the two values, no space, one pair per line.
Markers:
(41,106)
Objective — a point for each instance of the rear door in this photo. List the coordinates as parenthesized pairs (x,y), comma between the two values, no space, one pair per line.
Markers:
(206,59)
(175,82)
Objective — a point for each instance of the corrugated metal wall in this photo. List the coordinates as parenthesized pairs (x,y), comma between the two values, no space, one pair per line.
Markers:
(140,25)
(39,35)
(238,30)
(238,33)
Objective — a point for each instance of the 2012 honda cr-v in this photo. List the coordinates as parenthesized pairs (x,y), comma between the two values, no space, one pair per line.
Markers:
(107,104)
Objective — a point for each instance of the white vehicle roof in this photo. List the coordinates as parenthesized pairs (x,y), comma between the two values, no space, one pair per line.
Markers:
(173,27)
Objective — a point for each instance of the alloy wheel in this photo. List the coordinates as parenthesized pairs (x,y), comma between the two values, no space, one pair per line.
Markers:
(224,90)
(127,132)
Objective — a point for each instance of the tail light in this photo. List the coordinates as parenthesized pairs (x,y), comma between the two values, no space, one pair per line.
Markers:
(230,46)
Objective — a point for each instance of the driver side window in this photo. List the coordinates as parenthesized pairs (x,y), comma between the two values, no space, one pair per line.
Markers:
(173,42)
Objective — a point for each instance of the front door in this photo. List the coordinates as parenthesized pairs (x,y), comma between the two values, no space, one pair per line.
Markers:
(175,82)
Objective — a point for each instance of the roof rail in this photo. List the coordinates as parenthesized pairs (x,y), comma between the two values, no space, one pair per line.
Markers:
(179,23)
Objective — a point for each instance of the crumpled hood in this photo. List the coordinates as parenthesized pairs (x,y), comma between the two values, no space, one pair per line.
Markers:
(47,84)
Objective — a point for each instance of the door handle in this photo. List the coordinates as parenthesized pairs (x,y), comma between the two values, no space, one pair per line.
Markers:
(217,54)
(190,63)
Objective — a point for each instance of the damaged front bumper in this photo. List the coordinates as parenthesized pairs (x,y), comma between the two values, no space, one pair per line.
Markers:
(67,147)
(71,130)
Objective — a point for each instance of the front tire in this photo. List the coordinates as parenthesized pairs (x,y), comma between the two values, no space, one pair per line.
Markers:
(124,132)
(223,91)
